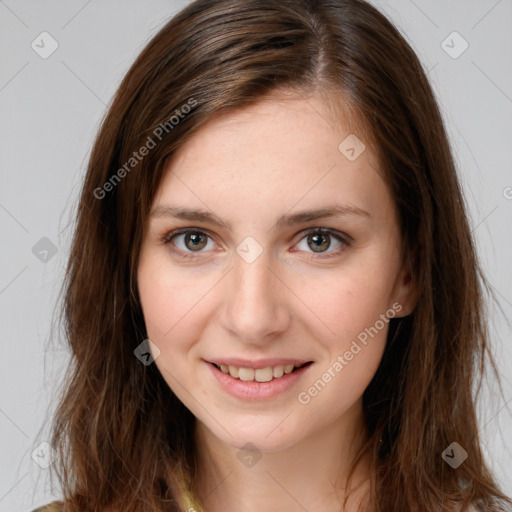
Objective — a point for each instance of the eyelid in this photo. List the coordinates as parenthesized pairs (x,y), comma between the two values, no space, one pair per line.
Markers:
(180,231)
(329,231)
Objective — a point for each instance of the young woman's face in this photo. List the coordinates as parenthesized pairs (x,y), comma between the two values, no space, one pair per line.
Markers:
(255,284)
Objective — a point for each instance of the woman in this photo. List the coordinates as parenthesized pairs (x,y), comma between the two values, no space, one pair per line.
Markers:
(273,300)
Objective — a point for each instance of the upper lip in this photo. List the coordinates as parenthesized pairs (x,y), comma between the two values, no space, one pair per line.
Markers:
(259,363)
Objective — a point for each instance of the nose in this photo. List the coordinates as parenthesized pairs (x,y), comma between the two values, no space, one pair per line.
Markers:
(256,309)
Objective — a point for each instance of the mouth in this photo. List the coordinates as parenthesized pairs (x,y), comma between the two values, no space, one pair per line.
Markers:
(266,374)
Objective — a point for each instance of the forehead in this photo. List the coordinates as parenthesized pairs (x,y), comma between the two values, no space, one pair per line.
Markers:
(275,153)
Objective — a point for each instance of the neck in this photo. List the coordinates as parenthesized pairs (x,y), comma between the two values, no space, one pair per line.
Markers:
(308,475)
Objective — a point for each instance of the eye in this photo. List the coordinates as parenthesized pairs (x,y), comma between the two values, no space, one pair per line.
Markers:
(188,241)
(320,239)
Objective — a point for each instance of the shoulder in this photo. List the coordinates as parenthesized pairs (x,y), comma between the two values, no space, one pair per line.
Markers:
(55,506)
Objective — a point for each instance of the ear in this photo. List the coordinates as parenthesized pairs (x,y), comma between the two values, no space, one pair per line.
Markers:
(405,291)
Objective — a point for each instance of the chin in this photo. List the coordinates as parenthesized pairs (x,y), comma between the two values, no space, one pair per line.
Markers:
(266,434)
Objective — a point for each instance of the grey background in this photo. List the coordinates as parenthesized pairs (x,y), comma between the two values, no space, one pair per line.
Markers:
(51,109)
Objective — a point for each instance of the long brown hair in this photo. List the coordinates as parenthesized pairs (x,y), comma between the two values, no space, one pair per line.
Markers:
(122,435)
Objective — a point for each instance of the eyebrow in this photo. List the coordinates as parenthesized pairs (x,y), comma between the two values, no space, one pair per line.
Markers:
(286,220)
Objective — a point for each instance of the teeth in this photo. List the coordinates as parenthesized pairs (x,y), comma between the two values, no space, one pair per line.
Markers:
(263,374)
(278,371)
(259,375)
(246,374)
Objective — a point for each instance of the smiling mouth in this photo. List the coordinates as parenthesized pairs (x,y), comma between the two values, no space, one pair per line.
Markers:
(261,374)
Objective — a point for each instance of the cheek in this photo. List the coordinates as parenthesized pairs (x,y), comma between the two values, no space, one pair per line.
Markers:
(170,319)
(354,348)
(354,309)
(348,303)
(171,303)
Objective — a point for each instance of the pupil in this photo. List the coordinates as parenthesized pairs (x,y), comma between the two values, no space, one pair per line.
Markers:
(316,238)
(195,238)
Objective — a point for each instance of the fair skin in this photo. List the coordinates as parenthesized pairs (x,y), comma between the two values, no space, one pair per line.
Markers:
(250,167)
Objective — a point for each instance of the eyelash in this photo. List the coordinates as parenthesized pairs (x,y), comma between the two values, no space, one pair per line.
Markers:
(344,239)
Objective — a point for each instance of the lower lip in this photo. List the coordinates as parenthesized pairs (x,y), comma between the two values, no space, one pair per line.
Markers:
(252,390)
